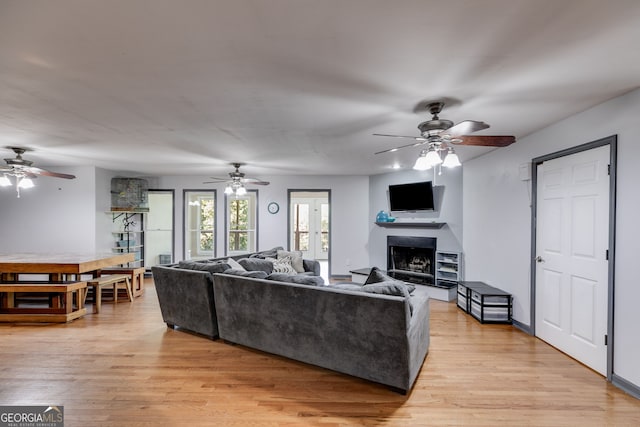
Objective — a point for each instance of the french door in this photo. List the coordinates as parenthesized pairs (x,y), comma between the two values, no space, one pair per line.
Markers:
(309,224)
(158,237)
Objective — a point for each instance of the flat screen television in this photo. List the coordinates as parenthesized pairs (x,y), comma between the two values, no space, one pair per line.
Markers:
(415,196)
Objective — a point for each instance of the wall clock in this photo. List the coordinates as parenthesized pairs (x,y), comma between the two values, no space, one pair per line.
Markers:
(273,208)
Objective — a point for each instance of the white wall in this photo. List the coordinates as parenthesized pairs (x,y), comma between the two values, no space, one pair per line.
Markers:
(497,216)
(104,221)
(349,210)
(447,194)
(57,215)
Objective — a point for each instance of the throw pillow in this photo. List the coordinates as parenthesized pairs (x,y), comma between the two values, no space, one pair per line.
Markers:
(296,259)
(244,273)
(376,276)
(390,287)
(271,253)
(211,267)
(256,264)
(234,264)
(300,280)
(282,265)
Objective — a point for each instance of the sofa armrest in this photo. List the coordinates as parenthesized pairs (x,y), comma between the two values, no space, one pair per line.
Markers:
(186,299)
(311,265)
(418,332)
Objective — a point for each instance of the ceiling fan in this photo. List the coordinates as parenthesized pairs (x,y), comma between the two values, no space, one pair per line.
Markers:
(23,171)
(441,134)
(236,181)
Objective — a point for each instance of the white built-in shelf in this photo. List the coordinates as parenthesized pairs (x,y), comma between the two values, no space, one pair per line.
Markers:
(411,224)
(127,248)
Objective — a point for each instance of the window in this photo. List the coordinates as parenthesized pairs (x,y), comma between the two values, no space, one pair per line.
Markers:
(242,223)
(200,219)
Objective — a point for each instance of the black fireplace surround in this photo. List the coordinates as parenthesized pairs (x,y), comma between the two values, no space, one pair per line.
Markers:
(412,259)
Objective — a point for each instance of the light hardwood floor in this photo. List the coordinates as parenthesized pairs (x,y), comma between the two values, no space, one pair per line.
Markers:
(123,367)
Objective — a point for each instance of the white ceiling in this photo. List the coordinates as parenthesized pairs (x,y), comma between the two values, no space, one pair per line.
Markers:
(295,86)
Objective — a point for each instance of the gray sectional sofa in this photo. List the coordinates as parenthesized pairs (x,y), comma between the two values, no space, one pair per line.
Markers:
(381,338)
(378,337)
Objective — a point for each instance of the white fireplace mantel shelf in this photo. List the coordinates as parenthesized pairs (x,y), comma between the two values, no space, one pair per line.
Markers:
(411,224)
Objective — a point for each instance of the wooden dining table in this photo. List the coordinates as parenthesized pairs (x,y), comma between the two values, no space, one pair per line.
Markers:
(59,265)
(65,289)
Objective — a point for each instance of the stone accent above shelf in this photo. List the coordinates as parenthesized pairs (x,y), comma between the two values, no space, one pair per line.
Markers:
(411,224)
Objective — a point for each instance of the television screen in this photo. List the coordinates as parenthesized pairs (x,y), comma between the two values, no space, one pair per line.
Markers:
(416,196)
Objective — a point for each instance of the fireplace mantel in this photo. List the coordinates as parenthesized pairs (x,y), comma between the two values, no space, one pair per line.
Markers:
(411,224)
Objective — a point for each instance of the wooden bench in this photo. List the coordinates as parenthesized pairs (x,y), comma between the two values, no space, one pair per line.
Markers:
(60,307)
(111,280)
(136,276)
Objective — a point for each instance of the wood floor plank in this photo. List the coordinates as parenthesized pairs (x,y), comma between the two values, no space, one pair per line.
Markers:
(123,367)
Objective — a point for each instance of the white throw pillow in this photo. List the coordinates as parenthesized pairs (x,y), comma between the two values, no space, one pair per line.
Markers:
(235,265)
(296,259)
(282,265)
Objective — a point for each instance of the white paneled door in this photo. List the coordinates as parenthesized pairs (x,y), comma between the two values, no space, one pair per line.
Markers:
(572,233)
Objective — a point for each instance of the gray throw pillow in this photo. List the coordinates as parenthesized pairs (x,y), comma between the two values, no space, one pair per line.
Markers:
(253,274)
(256,264)
(389,287)
(377,276)
(211,267)
(271,253)
(299,280)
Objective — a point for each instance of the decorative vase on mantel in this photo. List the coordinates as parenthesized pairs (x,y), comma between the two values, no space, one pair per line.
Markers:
(382,217)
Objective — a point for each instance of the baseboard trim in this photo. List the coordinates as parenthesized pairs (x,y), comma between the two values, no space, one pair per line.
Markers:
(524,328)
(625,386)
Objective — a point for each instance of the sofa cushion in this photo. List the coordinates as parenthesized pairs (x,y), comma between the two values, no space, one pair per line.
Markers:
(235,264)
(300,280)
(296,259)
(282,265)
(377,276)
(211,267)
(254,274)
(256,264)
(347,286)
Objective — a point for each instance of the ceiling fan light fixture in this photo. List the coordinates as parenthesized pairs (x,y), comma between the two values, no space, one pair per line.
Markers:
(241,191)
(228,190)
(452,160)
(5,181)
(421,163)
(433,158)
(25,183)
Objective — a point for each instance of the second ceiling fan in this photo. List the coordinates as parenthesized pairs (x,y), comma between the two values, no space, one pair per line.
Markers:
(236,181)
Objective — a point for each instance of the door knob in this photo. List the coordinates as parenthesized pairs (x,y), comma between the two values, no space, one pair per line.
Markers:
(539,259)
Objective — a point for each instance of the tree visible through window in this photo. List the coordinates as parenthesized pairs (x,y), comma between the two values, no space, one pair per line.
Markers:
(241,211)
(207,211)
(238,224)
(200,214)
